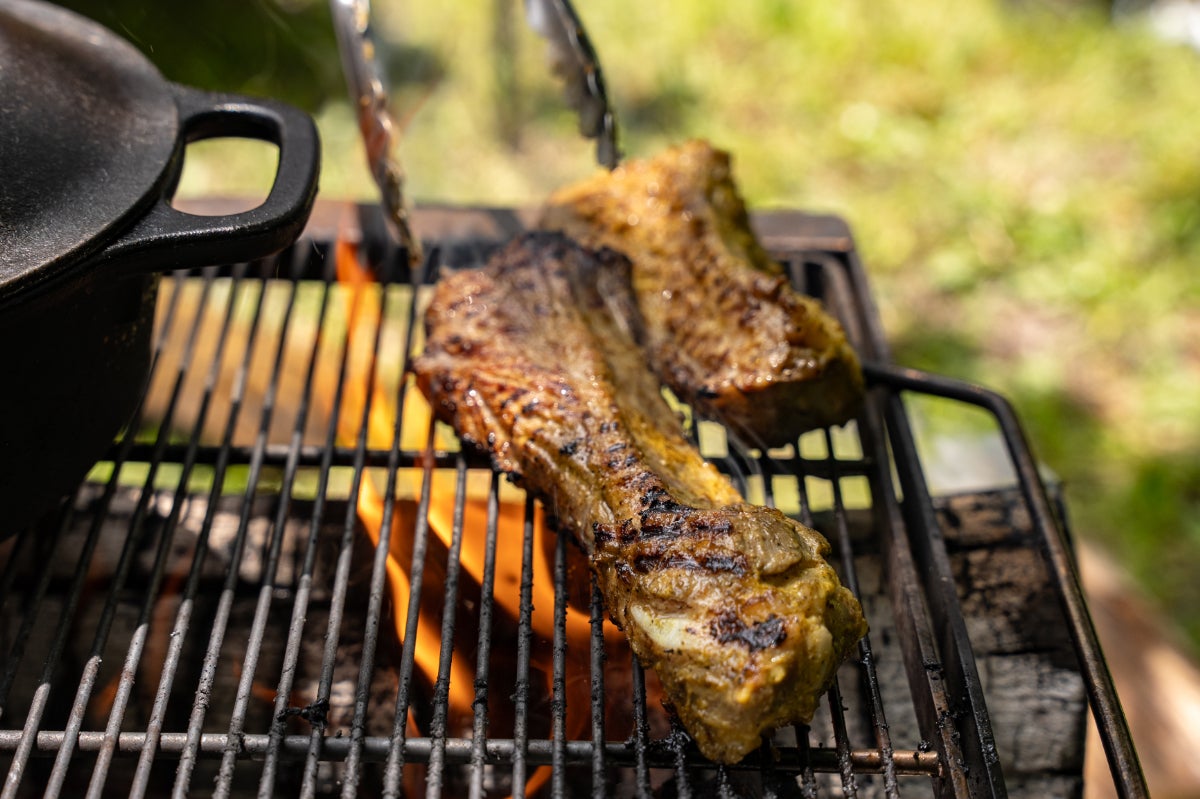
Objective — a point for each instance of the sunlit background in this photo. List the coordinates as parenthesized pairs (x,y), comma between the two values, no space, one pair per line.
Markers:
(1023,180)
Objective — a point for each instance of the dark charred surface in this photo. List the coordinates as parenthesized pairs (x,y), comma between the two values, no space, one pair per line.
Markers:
(729,629)
(732,604)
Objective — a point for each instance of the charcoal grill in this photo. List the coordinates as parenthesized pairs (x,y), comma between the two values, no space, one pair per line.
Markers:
(207,614)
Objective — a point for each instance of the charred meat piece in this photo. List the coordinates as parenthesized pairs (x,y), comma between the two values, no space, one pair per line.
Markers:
(724,328)
(534,360)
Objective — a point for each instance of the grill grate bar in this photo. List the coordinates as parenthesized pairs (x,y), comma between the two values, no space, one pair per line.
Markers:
(303,589)
(808,777)
(41,694)
(352,775)
(834,696)
(16,653)
(137,529)
(926,674)
(845,766)
(274,547)
(641,728)
(524,642)
(9,575)
(313,455)
(178,634)
(559,705)
(1123,761)
(341,570)
(166,538)
(441,691)
(596,669)
(499,751)
(679,761)
(484,646)
(849,575)
(808,780)
(396,758)
(977,740)
(224,608)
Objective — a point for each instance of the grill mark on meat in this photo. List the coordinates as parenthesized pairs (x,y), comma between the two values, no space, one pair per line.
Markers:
(728,564)
(567,407)
(657,499)
(728,628)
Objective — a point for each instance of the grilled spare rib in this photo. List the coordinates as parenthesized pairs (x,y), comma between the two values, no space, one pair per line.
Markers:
(724,328)
(534,360)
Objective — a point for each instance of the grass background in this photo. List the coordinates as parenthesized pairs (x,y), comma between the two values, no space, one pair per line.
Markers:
(1023,181)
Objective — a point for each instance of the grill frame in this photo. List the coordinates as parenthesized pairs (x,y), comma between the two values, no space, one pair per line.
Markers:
(815,249)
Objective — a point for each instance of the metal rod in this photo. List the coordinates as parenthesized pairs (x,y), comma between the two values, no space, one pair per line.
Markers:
(397,755)
(393,771)
(479,704)
(33,607)
(178,633)
(224,608)
(266,590)
(772,781)
(166,536)
(375,600)
(917,641)
(1110,718)
(309,455)
(849,575)
(9,576)
(808,777)
(41,696)
(499,751)
(641,729)
(124,563)
(312,455)
(341,577)
(558,720)
(678,741)
(524,639)
(598,657)
(962,675)
(842,740)
(303,589)
(441,689)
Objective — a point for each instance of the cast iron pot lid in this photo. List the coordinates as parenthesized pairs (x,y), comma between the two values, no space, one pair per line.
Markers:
(88,127)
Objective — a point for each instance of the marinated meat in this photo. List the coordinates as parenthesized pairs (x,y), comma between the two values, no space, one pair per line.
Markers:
(724,328)
(534,360)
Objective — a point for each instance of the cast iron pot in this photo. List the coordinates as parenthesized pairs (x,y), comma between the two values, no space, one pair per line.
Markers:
(92,140)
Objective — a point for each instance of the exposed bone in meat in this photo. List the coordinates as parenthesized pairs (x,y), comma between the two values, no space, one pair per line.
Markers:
(534,360)
(724,328)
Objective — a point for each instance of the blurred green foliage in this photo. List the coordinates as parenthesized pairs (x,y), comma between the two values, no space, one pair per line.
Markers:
(258,47)
(1023,181)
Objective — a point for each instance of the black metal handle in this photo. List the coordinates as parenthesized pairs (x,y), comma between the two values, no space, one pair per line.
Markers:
(166,238)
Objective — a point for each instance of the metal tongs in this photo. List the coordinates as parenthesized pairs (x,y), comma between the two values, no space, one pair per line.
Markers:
(352,23)
(572,59)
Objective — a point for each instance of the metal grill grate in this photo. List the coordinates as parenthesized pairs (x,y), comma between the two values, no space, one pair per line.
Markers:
(209,612)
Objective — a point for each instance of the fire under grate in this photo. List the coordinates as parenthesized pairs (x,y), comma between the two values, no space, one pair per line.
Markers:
(223,606)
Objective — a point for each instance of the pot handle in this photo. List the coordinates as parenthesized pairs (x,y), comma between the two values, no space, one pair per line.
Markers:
(164,238)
